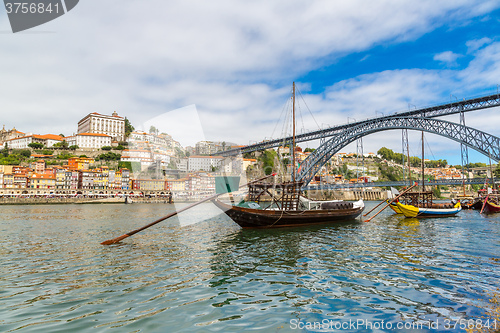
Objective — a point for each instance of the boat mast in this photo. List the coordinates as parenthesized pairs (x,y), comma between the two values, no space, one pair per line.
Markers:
(491,172)
(293,133)
(408,160)
(423,185)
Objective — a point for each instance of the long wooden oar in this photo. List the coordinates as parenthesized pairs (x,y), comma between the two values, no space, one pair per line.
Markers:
(128,234)
(409,188)
(374,208)
(484,204)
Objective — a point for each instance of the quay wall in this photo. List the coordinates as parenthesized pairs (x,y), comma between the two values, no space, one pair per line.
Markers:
(21,199)
(57,201)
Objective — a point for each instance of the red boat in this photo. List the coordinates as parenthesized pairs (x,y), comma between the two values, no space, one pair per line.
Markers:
(491,207)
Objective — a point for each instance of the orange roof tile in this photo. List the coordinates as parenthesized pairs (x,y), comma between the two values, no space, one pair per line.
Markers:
(52,137)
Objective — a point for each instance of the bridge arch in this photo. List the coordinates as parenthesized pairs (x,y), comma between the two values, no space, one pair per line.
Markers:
(478,140)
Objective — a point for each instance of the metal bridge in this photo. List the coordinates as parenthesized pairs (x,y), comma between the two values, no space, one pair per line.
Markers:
(468,105)
(451,182)
(335,138)
(478,140)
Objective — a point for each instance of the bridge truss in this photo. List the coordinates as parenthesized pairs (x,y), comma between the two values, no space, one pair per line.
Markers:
(482,142)
(468,105)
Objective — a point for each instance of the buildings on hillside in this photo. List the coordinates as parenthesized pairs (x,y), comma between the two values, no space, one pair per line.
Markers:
(22,142)
(113,125)
(89,140)
(151,149)
(76,175)
(9,134)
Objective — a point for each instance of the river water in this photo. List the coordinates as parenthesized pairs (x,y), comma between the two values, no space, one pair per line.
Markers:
(212,276)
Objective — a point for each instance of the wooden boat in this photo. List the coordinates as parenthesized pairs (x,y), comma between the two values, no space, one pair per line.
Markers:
(491,207)
(394,207)
(412,211)
(287,208)
(475,203)
(282,204)
(420,204)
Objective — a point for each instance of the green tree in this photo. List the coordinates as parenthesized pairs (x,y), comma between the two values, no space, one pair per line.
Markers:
(22,152)
(497,170)
(63,144)
(386,153)
(47,152)
(64,155)
(128,128)
(73,147)
(109,156)
(36,145)
(106,147)
(267,159)
(129,165)
(5,150)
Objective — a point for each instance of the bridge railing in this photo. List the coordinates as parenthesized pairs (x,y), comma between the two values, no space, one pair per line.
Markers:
(451,182)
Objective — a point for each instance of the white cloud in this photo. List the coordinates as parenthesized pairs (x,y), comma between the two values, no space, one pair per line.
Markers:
(226,57)
(447,57)
(475,44)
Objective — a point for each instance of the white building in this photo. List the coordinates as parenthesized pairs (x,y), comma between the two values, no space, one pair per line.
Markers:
(157,143)
(23,142)
(182,164)
(204,163)
(113,125)
(143,156)
(89,140)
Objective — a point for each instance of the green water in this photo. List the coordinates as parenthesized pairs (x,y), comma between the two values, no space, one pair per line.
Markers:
(213,276)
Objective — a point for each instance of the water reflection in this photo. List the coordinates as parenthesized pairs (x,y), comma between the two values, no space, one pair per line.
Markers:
(215,276)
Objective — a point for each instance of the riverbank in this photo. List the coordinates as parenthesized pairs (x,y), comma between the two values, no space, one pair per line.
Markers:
(58,201)
(141,200)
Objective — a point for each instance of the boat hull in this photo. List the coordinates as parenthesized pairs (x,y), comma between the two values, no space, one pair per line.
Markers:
(259,218)
(394,207)
(412,211)
(491,207)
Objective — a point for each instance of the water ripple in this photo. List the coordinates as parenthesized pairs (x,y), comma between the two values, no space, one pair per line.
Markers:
(214,276)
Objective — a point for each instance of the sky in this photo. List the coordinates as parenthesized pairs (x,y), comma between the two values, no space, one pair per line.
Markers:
(231,64)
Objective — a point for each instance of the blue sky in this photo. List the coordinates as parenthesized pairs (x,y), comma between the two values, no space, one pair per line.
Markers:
(235,61)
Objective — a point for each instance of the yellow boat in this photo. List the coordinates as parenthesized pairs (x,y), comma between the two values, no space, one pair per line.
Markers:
(394,207)
(412,211)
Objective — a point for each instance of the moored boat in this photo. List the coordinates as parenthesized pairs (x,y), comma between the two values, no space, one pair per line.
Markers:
(282,204)
(394,207)
(491,207)
(412,211)
(258,217)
